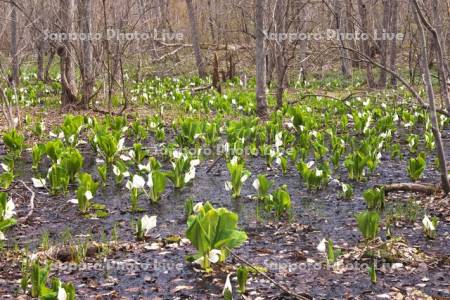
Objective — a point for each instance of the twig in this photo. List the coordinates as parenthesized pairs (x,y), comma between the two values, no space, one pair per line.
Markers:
(25,218)
(325,96)
(213,164)
(284,289)
(416,95)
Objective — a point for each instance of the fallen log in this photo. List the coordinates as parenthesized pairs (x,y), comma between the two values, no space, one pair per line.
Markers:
(412,187)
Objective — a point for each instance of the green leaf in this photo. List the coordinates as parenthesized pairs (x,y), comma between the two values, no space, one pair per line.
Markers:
(242,277)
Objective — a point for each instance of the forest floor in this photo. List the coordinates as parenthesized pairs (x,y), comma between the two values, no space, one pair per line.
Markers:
(118,267)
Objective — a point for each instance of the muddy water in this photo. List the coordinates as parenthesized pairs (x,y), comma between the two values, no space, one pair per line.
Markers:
(316,215)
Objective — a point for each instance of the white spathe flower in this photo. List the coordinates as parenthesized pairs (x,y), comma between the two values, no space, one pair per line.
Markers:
(189,175)
(427,224)
(129,185)
(226,147)
(150,180)
(228,186)
(256,184)
(116,170)
(344,187)
(148,223)
(5,167)
(125,157)
(227,286)
(38,182)
(197,207)
(146,167)
(9,210)
(272,153)
(234,160)
(194,162)
(244,178)
(73,201)
(62,295)
(395,117)
(213,257)
(88,195)
(278,140)
(138,182)
(2,236)
(120,144)
(322,246)
(278,160)
(319,172)
(310,164)
(176,154)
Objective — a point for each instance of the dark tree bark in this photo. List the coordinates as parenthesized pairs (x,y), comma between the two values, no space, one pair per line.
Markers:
(393,47)
(195,39)
(439,42)
(87,53)
(65,52)
(14,55)
(261,103)
(384,43)
(431,100)
(281,14)
(340,22)
(365,43)
(350,28)
(51,56)
(40,60)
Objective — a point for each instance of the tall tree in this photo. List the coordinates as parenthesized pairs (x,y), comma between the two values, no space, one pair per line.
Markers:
(393,47)
(14,50)
(87,68)
(261,103)
(384,43)
(340,19)
(439,46)
(365,42)
(431,100)
(195,39)
(281,15)
(65,52)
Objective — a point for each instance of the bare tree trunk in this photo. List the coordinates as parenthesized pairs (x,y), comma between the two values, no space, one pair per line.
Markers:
(384,42)
(51,56)
(40,60)
(393,48)
(340,23)
(87,53)
(211,23)
(261,103)
(67,16)
(429,88)
(281,15)
(14,55)
(350,28)
(439,42)
(365,43)
(195,39)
